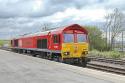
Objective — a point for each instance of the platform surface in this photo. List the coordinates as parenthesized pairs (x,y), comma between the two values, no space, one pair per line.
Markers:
(19,68)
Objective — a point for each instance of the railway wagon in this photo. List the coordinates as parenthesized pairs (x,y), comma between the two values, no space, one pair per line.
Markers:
(68,43)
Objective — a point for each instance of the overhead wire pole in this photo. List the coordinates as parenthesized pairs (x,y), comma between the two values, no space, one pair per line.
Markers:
(109,38)
(122,41)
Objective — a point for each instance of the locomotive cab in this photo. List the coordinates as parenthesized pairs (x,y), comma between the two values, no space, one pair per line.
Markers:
(74,43)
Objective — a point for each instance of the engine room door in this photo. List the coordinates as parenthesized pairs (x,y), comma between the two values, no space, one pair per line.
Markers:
(42,43)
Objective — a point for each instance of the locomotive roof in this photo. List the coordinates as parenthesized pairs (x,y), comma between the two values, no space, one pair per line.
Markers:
(57,30)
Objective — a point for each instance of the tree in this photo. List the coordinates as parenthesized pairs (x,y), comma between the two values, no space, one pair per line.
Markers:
(95,38)
(114,25)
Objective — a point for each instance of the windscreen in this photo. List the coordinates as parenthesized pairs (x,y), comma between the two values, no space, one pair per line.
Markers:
(81,37)
(68,38)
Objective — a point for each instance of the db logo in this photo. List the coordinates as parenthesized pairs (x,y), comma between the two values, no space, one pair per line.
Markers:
(55,46)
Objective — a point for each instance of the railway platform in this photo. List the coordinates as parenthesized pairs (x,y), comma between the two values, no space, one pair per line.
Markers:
(19,68)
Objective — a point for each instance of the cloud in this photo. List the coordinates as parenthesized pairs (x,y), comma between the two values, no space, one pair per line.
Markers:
(25,16)
(38,8)
(42,8)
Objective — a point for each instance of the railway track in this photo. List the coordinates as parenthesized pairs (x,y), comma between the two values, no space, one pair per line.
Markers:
(107,64)
(103,64)
(5,48)
(107,60)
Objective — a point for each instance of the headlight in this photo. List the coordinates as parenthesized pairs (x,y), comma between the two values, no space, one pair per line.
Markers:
(85,52)
(66,53)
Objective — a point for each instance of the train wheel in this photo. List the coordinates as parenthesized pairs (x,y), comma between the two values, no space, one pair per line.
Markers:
(82,62)
(38,55)
(60,59)
(44,54)
(49,55)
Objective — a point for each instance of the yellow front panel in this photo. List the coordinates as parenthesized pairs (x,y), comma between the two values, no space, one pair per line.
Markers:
(76,50)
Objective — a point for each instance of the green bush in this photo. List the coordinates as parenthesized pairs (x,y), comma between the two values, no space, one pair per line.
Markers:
(107,54)
(3,42)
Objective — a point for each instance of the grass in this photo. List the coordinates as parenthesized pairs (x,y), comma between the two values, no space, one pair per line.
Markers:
(108,54)
(2,42)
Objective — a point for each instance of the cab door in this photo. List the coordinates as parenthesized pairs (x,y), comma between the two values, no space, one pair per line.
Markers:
(56,42)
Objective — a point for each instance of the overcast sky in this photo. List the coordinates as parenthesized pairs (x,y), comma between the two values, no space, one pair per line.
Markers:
(24,16)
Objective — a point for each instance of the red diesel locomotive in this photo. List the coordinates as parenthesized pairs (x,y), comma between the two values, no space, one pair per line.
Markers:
(67,43)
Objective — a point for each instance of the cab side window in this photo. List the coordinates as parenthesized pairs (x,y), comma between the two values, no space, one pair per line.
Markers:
(56,38)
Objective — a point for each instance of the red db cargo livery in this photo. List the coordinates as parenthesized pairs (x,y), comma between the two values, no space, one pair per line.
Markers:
(68,43)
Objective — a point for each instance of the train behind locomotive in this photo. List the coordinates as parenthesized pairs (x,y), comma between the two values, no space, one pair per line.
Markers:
(69,43)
